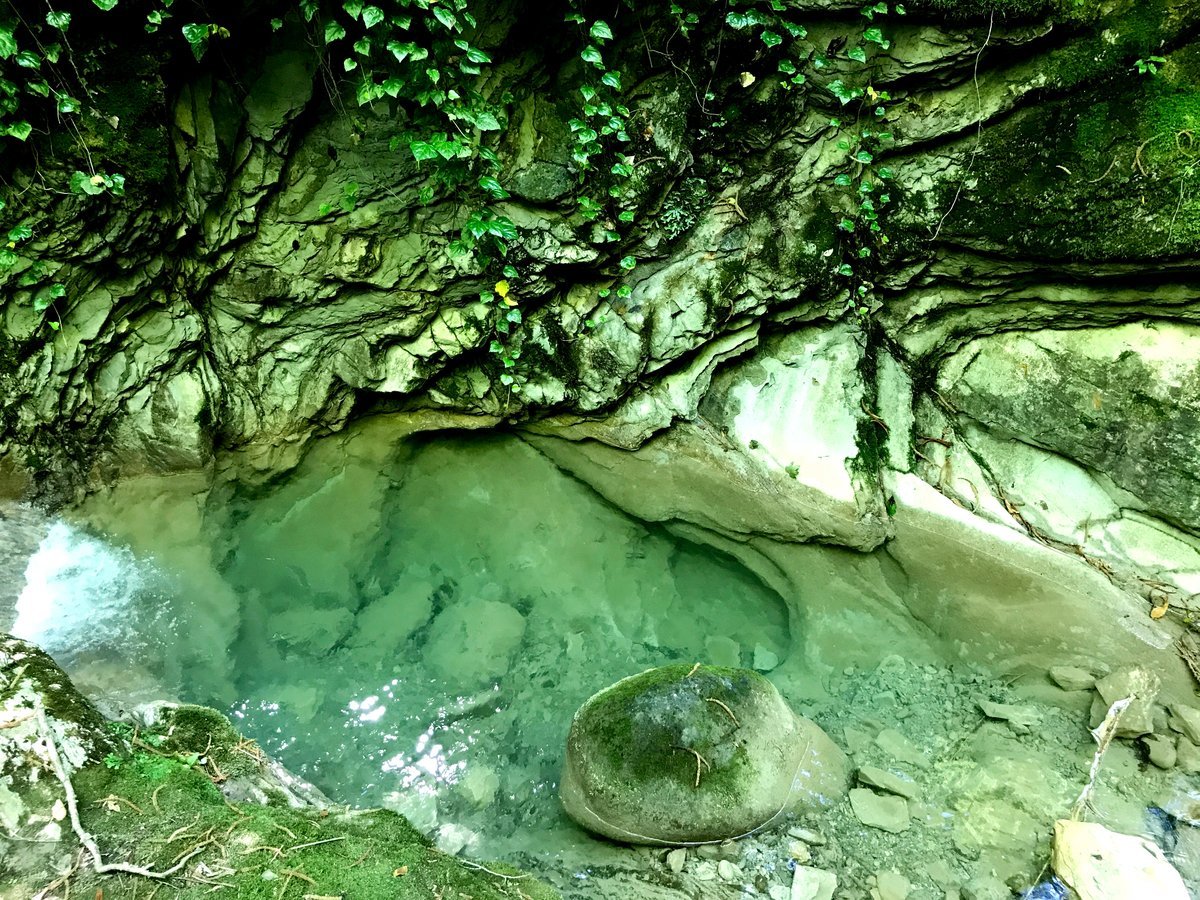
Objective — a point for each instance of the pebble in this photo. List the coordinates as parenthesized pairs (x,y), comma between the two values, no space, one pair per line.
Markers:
(1072,678)
(812,884)
(675,859)
(798,850)
(1020,719)
(765,659)
(1186,720)
(899,747)
(1187,756)
(901,785)
(890,886)
(806,835)
(1161,750)
(885,812)
(728,872)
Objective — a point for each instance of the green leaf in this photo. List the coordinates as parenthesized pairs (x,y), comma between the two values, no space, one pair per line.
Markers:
(627,215)
(363,46)
(864,157)
(105,5)
(276,24)
(627,263)
(447,18)
(503,227)
(334,32)
(846,225)
(59,20)
(845,269)
(349,64)
(197,37)
(624,291)
(771,39)
(353,8)
(26,59)
(403,50)
(514,316)
(874,35)
(308,9)
(858,54)
(842,180)
(68,105)
(20,233)
(476,55)
(8,43)
(600,31)
(83,183)
(19,130)
(372,16)
(493,187)
(8,259)
(591,54)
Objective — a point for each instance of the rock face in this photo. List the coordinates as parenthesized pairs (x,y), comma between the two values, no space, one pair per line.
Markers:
(675,756)
(1023,380)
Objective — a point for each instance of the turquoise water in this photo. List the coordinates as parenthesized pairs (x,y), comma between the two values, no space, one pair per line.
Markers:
(412,624)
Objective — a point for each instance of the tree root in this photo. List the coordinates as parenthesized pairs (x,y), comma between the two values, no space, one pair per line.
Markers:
(99,866)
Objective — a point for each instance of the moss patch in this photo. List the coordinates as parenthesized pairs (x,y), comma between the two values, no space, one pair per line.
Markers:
(152,811)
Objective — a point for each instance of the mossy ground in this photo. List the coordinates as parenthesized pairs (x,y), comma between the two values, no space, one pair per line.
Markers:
(152,810)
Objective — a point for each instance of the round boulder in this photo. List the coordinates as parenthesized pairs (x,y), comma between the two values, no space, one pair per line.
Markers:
(694,754)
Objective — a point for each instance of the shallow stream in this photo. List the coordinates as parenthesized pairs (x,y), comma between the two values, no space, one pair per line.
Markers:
(413,625)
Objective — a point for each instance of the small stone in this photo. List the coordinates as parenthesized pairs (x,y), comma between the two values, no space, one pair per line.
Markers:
(1020,719)
(899,747)
(1072,678)
(764,659)
(1186,720)
(885,812)
(705,870)
(798,850)
(268,875)
(779,892)
(901,785)
(806,835)
(812,884)
(1161,750)
(985,887)
(728,872)
(708,851)
(891,886)
(1187,756)
(1140,684)
(675,859)
(856,741)
(942,875)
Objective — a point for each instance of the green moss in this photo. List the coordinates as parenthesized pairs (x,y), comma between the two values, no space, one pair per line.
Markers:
(647,725)
(151,813)
(206,732)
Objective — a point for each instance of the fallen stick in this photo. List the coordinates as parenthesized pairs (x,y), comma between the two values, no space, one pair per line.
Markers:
(99,866)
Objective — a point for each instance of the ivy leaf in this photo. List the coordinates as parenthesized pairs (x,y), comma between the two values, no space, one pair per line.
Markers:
(863,157)
(59,20)
(771,39)
(845,269)
(20,233)
(447,18)
(601,32)
(842,180)
(349,64)
(68,105)
(19,130)
(363,46)
(627,263)
(493,187)
(372,16)
(422,150)
(28,60)
(612,79)
(858,54)
(334,32)
(197,38)
(627,215)
(476,55)
(591,54)
(503,227)
(404,50)
(8,43)
(874,35)
(353,8)
(105,5)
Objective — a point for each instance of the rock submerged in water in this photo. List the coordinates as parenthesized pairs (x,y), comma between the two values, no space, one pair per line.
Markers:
(682,754)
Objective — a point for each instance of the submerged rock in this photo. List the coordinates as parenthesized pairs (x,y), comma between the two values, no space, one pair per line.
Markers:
(1098,864)
(1139,684)
(884,811)
(694,755)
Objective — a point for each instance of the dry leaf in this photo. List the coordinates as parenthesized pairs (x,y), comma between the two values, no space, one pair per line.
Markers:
(403,870)
(58,811)
(747,79)
(1159,611)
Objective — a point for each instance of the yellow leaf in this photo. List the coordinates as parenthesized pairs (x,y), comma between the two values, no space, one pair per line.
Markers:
(1159,611)
(502,288)
(510,301)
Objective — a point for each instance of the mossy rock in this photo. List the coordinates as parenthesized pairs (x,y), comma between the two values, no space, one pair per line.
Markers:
(685,755)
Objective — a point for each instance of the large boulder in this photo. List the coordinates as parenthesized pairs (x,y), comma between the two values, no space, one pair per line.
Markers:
(683,755)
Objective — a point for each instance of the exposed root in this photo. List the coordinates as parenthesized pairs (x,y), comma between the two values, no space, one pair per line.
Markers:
(728,711)
(695,669)
(99,866)
(1104,734)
